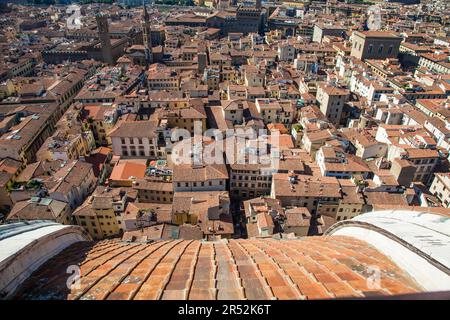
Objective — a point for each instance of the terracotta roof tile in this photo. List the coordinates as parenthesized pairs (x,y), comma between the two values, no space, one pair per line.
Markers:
(312,268)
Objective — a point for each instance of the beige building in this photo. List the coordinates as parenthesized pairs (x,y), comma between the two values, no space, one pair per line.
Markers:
(276,111)
(189,177)
(209,210)
(136,139)
(98,218)
(7,88)
(441,188)
(365,144)
(352,201)
(233,110)
(331,100)
(211,77)
(154,190)
(72,183)
(313,192)
(38,208)
(312,141)
(186,118)
(297,221)
(22,140)
(100,120)
(424,160)
(321,30)
(163,79)
(66,146)
(249,180)
(259,221)
(403,171)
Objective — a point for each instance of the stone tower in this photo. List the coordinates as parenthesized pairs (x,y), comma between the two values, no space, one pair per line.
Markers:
(147,35)
(105,40)
(202,61)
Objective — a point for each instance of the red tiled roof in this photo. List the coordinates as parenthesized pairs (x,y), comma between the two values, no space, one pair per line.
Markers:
(311,268)
(126,169)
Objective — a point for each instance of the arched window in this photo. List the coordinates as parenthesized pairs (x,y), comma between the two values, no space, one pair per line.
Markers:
(390,49)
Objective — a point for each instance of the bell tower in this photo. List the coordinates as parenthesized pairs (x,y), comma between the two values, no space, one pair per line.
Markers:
(147,34)
(105,40)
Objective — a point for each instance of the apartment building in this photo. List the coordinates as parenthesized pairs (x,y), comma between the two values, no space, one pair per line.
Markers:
(98,218)
(186,118)
(403,171)
(211,76)
(352,202)
(321,30)
(163,79)
(312,141)
(253,77)
(191,177)
(259,214)
(336,163)
(100,120)
(66,146)
(297,221)
(24,137)
(38,208)
(276,111)
(315,193)
(424,160)
(365,144)
(438,63)
(389,115)
(249,180)
(441,188)
(72,183)
(154,190)
(286,52)
(266,217)
(210,210)
(252,180)
(137,139)
(331,101)
(102,214)
(369,87)
(233,110)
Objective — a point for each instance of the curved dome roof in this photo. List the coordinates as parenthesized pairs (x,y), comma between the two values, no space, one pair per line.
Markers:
(382,253)
(311,268)
(418,241)
(25,246)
